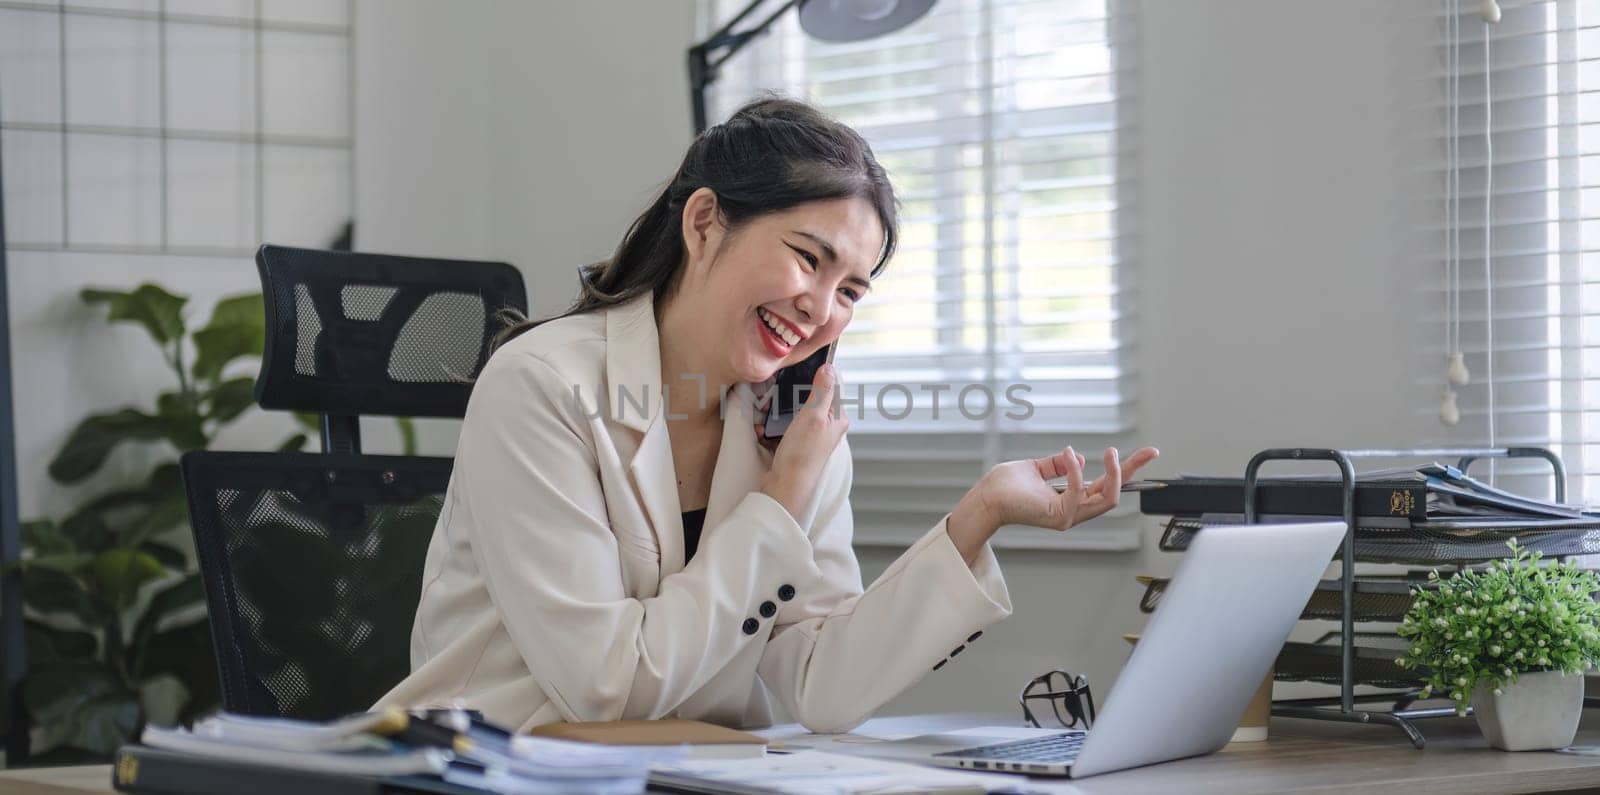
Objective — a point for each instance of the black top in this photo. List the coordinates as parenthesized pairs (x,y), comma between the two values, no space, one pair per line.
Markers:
(693,523)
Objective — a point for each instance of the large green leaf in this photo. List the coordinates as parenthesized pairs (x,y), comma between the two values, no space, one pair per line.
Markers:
(177,404)
(82,704)
(67,563)
(89,531)
(54,692)
(160,312)
(119,573)
(50,591)
(161,517)
(47,644)
(168,508)
(107,722)
(180,413)
(137,513)
(238,328)
(170,556)
(179,596)
(44,537)
(162,480)
(230,399)
(94,439)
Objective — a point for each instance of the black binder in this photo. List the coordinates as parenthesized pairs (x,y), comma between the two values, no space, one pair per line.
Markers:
(154,771)
(1407,498)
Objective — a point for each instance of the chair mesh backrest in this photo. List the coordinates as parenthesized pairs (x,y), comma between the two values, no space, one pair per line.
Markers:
(351,333)
(313,568)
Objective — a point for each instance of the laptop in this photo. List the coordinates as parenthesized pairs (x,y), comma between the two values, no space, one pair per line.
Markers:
(1221,623)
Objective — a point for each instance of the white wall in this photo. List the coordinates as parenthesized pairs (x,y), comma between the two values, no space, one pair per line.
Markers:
(590,116)
(423,108)
(1274,275)
(529,133)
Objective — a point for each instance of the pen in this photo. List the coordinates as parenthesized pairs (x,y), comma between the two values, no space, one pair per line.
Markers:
(1132,485)
(418,731)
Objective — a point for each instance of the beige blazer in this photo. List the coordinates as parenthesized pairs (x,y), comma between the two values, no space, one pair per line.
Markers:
(555,587)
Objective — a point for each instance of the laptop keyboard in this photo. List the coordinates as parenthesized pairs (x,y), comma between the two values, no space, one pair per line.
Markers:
(1055,749)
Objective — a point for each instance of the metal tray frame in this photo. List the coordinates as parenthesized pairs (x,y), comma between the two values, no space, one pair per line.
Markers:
(1343,707)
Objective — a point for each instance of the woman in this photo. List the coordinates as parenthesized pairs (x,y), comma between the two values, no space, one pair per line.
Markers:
(617,543)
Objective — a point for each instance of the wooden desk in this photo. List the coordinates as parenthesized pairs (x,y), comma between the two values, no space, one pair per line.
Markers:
(73,780)
(1317,756)
(1301,756)
(1326,757)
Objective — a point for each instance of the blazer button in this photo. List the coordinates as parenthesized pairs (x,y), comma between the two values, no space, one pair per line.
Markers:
(785,593)
(750,626)
(974,636)
(957,650)
(768,610)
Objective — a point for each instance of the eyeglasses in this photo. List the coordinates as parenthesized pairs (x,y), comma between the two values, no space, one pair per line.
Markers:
(1068,695)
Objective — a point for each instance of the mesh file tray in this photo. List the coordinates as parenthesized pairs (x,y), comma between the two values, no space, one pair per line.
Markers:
(1422,545)
(1320,662)
(1376,598)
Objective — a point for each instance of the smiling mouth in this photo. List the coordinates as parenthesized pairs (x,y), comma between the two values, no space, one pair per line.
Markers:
(780,328)
(776,346)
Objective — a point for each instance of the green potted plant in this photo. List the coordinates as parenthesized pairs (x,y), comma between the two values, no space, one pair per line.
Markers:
(114,603)
(1512,640)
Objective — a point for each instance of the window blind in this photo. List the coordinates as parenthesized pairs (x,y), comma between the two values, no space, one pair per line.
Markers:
(1003,324)
(1520,121)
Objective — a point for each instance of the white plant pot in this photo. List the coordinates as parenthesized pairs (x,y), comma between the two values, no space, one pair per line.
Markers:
(1537,713)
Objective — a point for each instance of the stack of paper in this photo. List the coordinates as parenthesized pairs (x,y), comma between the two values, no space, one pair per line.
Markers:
(814,773)
(535,766)
(1452,492)
(321,748)
(483,757)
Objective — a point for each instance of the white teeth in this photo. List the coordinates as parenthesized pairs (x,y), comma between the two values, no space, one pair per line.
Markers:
(778,328)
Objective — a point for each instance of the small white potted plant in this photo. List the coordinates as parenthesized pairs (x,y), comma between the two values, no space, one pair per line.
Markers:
(1514,641)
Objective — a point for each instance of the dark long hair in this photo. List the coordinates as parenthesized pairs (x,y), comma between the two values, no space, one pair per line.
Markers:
(773,154)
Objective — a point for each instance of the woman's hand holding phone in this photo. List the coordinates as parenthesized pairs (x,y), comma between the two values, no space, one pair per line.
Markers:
(1019,492)
(806,445)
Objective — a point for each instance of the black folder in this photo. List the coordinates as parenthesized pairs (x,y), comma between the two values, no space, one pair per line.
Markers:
(1402,498)
(155,771)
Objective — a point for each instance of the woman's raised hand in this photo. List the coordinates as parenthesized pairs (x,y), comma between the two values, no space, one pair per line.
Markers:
(1019,492)
(806,445)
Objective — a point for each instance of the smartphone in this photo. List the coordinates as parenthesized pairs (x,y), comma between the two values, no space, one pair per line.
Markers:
(792,386)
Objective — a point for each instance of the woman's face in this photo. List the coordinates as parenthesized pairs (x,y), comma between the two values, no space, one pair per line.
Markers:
(783,286)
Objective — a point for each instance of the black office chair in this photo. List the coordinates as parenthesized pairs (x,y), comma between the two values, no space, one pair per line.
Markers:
(313,562)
